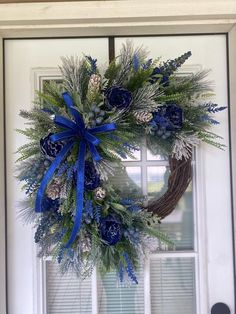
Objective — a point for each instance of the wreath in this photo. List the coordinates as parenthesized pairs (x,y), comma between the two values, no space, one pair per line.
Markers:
(80,130)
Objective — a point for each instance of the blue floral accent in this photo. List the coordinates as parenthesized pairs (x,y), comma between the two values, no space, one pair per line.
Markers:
(169,117)
(135,62)
(212,108)
(147,65)
(92,178)
(121,272)
(159,73)
(209,119)
(130,269)
(118,97)
(49,148)
(164,71)
(174,114)
(50,205)
(111,229)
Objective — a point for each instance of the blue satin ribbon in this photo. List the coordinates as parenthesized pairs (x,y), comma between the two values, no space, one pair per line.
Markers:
(75,131)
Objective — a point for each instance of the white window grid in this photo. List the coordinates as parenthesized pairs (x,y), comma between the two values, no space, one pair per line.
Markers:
(40,75)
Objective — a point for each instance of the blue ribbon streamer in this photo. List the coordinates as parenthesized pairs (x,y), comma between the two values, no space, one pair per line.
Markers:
(74,131)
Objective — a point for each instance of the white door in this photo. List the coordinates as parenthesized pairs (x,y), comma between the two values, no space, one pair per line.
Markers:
(189,280)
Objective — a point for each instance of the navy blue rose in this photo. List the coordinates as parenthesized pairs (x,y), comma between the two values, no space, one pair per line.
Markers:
(49,148)
(168,117)
(91,177)
(118,97)
(174,114)
(111,229)
(49,204)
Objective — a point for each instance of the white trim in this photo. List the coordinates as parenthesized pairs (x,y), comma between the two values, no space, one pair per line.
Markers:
(232,99)
(107,14)
(147,287)
(3,293)
(94,292)
(101,18)
(201,260)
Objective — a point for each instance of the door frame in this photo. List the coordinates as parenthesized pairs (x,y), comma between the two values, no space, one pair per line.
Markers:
(108,18)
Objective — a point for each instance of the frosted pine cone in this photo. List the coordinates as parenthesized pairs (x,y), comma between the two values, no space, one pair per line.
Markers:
(53,191)
(94,83)
(86,245)
(100,193)
(143,116)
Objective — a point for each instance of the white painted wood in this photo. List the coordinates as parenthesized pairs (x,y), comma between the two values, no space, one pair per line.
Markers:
(213,168)
(2,194)
(232,80)
(21,58)
(89,18)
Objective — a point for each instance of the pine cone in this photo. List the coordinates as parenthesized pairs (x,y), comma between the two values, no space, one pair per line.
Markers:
(100,193)
(53,191)
(86,245)
(143,116)
(94,83)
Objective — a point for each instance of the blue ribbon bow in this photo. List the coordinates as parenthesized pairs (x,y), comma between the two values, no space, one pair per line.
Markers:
(75,130)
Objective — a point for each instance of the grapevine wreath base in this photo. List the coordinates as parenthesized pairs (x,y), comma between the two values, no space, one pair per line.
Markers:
(79,131)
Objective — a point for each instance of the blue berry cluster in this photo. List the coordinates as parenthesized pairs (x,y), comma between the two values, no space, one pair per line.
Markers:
(96,115)
(133,235)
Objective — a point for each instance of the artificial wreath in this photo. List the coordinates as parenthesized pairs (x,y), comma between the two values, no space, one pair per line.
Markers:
(78,133)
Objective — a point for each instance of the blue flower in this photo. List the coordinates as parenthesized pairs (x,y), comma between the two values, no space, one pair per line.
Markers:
(49,148)
(111,229)
(168,117)
(174,114)
(91,177)
(50,205)
(164,78)
(118,97)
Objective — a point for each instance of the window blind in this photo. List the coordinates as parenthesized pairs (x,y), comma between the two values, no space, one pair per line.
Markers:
(67,294)
(113,299)
(172,286)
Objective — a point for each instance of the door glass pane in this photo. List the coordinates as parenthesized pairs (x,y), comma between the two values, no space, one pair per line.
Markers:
(67,294)
(157,180)
(151,156)
(179,224)
(173,286)
(115,299)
